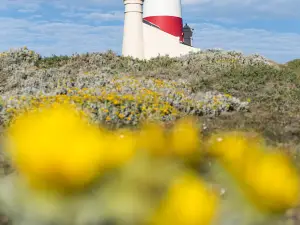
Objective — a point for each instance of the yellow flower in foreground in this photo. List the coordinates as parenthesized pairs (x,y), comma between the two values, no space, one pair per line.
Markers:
(121,148)
(227,145)
(184,137)
(152,139)
(273,183)
(188,202)
(56,148)
(235,149)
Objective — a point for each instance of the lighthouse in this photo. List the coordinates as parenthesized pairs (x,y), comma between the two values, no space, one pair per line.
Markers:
(154,28)
(133,29)
(166,14)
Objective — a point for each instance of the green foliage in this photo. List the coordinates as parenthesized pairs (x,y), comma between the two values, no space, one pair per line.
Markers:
(52,61)
(274,94)
(294,65)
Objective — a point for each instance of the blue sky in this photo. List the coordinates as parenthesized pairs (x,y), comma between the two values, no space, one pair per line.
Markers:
(270,27)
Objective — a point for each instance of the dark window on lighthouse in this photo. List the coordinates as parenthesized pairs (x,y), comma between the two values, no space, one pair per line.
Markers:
(187,35)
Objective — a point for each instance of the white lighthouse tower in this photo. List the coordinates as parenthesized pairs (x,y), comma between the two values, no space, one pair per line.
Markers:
(154,29)
(166,14)
(133,29)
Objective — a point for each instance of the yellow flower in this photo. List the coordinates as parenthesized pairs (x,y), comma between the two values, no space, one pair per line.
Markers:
(55,148)
(184,138)
(122,147)
(273,183)
(152,139)
(116,102)
(105,110)
(235,150)
(121,115)
(188,202)
(229,146)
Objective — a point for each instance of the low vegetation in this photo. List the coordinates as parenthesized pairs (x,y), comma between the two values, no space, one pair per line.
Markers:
(226,91)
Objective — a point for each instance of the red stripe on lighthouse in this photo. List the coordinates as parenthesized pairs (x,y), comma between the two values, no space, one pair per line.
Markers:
(169,24)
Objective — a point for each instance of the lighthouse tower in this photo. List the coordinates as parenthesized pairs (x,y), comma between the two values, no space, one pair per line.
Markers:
(154,30)
(133,41)
(165,14)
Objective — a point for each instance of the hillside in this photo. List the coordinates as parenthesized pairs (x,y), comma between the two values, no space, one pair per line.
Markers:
(254,93)
(225,90)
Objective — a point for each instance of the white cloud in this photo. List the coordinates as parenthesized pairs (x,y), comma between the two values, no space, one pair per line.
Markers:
(280,47)
(236,8)
(26,10)
(50,38)
(207,8)
(116,15)
(32,5)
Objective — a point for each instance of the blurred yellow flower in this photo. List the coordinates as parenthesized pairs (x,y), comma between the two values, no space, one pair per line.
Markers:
(234,149)
(188,202)
(273,183)
(152,139)
(184,137)
(55,148)
(121,115)
(268,179)
(121,147)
